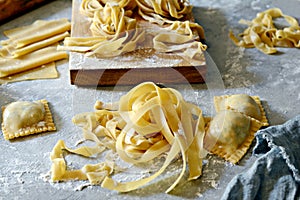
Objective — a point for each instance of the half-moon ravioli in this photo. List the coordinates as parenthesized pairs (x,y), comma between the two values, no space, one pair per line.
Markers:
(243,103)
(230,134)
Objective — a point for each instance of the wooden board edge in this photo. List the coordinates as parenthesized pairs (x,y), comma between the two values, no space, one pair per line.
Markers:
(111,77)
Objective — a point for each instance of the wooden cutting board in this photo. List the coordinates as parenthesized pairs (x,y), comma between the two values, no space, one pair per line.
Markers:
(10,9)
(130,68)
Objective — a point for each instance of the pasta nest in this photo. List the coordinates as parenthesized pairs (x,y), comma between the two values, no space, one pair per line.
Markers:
(146,123)
(164,8)
(116,28)
(265,36)
(112,20)
(89,7)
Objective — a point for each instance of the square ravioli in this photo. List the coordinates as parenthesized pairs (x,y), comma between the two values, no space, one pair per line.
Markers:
(22,118)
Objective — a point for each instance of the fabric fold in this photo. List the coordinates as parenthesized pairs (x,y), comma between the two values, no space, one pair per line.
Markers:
(275,174)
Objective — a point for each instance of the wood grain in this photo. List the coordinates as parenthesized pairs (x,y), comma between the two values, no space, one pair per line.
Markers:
(130,68)
(10,9)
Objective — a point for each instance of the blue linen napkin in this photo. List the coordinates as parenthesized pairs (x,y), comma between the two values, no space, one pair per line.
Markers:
(276,172)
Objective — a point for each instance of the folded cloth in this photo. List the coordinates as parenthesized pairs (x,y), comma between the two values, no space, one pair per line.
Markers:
(276,172)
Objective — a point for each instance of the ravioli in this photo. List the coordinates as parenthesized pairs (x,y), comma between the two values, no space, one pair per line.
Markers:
(230,135)
(243,103)
(23,118)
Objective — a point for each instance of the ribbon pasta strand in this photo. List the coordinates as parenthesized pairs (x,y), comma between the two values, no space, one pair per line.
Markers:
(113,29)
(116,30)
(265,36)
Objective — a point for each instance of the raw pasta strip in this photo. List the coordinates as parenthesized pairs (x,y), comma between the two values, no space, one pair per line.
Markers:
(190,50)
(196,151)
(262,33)
(115,47)
(30,61)
(14,52)
(105,48)
(41,30)
(95,173)
(111,184)
(166,8)
(148,122)
(113,33)
(19,31)
(89,7)
(111,22)
(46,71)
(134,96)
(86,41)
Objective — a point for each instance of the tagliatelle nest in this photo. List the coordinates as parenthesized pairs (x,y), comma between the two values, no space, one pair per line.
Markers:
(265,36)
(147,122)
(119,27)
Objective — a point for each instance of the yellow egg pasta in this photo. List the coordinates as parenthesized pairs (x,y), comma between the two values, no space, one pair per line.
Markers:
(30,51)
(167,9)
(119,27)
(230,133)
(265,36)
(22,118)
(46,71)
(12,51)
(35,32)
(114,32)
(243,103)
(145,123)
(29,61)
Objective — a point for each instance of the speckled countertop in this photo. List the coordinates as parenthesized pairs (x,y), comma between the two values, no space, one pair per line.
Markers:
(274,78)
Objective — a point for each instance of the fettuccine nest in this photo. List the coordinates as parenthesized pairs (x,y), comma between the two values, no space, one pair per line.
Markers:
(265,36)
(146,123)
(116,29)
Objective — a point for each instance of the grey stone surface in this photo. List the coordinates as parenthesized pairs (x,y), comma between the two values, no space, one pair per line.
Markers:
(275,78)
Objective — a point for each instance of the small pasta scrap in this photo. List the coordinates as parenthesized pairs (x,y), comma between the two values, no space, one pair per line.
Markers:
(22,118)
(265,36)
(146,123)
